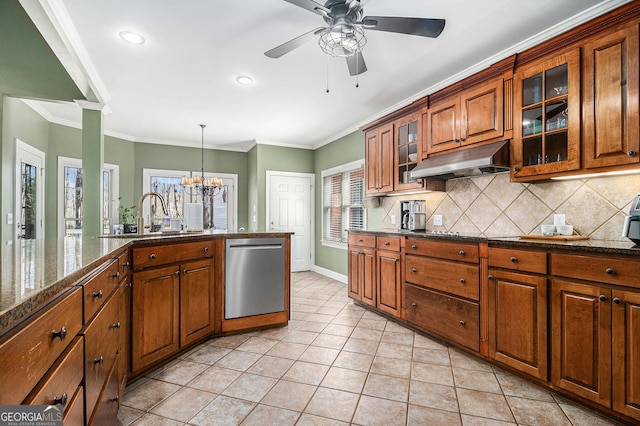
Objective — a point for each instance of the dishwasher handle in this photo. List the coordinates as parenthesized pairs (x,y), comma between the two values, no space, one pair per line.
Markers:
(254,246)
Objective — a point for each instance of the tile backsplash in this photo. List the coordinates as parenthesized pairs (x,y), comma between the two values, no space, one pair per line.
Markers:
(492,206)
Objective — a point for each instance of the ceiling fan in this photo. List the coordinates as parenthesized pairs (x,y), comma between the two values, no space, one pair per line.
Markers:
(344,35)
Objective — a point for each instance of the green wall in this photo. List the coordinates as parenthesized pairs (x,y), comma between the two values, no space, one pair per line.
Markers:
(342,151)
(276,158)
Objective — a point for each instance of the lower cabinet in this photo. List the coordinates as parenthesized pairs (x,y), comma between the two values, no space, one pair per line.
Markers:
(388,279)
(196,301)
(362,269)
(625,320)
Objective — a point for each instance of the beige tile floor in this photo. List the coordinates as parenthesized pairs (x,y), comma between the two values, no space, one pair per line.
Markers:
(337,364)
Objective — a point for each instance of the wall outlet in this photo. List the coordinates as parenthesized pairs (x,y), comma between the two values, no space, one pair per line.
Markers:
(393,219)
(437,220)
(558,219)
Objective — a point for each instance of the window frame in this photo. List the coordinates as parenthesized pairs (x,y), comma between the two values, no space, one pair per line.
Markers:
(341,169)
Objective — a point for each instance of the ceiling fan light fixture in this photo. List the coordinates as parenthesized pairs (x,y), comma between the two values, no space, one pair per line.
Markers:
(342,40)
(131,37)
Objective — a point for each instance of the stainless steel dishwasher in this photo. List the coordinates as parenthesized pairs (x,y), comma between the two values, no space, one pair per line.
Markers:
(254,277)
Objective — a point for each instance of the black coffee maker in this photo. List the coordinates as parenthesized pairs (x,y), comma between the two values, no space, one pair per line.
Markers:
(412,215)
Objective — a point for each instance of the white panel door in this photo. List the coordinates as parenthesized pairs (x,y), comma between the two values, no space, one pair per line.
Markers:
(290,210)
(29,191)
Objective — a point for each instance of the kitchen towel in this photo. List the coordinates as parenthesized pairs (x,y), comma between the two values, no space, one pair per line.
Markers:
(194,216)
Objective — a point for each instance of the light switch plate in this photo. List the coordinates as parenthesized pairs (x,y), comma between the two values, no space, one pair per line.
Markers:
(9,218)
(558,219)
(437,220)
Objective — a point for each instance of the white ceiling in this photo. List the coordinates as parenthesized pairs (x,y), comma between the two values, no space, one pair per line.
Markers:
(185,73)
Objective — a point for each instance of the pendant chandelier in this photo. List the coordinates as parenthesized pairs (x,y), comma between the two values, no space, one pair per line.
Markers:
(198,185)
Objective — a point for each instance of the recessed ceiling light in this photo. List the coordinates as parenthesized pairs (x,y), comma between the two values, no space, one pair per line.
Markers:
(131,37)
(244,80)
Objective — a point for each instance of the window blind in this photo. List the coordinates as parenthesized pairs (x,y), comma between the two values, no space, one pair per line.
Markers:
(342,204)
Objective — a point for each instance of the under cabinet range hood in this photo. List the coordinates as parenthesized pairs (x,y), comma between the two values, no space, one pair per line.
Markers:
(491,158)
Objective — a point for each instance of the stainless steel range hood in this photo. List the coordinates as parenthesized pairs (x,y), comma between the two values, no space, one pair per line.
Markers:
(491,158)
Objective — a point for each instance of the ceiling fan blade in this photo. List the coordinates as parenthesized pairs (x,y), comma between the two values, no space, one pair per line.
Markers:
(356,64)
(311,6)
(287,47)
(424,27)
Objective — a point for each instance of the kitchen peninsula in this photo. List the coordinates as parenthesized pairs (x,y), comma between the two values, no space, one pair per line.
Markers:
(81,316)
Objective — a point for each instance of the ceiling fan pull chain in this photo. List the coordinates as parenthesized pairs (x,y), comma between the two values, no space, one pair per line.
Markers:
(357,75)
(327,74)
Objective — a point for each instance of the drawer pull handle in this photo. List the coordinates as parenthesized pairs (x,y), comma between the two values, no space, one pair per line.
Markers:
(413,246)
(462,281)
(116,275)
(152,256)
(617,300)
(602,298)
(360,241)
(206,249)
(99,360)
(178,272)
(413,305)
(116,325)
(461,252)
(62,400)
(414,270)
(97,294)
(62,334)
(513,260)
(610,271)
(387,243)
(462,323)
(126,264)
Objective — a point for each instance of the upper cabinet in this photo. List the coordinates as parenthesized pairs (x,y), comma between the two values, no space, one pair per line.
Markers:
(379,160)
(610,98)
(546,134)
(475,115)
(408,148)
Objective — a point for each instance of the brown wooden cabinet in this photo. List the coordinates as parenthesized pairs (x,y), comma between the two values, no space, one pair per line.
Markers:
(408,149)
(379,160)
(362,268)
(546,133)
(475,115)
(173,302)
(154,320)
(625,355)
(610,99)
(517,310)
(196,300)
(389,273)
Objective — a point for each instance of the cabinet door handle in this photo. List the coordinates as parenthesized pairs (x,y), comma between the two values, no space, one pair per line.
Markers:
(602,298)
(516,169)
(178,272)
(396,260)
(97,294)
(462,280)
(116,275)
(631,153)
(463,139)
(62,400)
(62,334)
(617,300)
(513,259)
(461,252)
(462,323)
(456,140)
(610,271)
(116,325)
(185,271)
(126,264)
(490,277)
(152,256)
(115,399)
(99,360)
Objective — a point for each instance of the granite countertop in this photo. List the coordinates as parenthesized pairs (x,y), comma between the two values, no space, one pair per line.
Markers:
(590,245)
(35,271)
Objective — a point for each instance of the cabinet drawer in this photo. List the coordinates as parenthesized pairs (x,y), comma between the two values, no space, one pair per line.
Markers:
(519,260)
(362,240)
(63,380)
(455,319)
(598,269)
(458,278)
(388,243)
(443,249)
(27,355)
(98,288)
(101,346)
(145,257)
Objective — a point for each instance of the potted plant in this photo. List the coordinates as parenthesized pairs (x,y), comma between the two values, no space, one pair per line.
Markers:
(129,219)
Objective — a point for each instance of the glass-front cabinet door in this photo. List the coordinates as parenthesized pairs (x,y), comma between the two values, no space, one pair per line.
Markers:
(408,148)
(547,117)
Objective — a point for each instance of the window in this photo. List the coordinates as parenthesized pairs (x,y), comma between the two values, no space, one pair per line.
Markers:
(70,199)
(343,190)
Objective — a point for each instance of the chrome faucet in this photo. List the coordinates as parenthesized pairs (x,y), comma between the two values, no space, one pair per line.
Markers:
(141,217)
